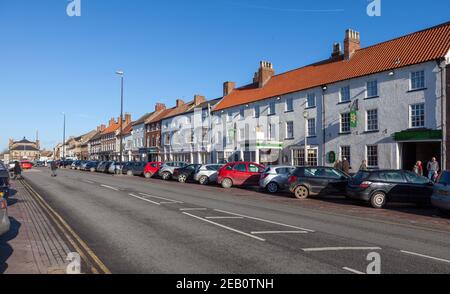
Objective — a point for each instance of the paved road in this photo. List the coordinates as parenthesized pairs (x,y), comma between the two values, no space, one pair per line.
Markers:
(137,225)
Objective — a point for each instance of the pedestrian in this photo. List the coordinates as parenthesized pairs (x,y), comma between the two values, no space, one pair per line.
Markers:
(418,168)
(433,169)
(17,170)
(363,166)
(53,167)
(346,166)
(338,164)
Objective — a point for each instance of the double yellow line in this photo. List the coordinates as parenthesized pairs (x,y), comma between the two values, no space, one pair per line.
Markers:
(94,263)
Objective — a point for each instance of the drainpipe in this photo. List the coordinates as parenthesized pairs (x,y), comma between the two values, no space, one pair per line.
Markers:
(443,116)
(324,89)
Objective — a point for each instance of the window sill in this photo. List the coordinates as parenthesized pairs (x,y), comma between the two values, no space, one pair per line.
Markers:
(372,97)
(417,90)
(344,133)
(271,114)
(310,107)
(370,132)
(311,137)
(288,139)
(344,102)
(288,111)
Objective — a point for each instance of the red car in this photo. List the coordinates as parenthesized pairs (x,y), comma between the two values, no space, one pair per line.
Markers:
(240,174)
(26,165)
(152,169)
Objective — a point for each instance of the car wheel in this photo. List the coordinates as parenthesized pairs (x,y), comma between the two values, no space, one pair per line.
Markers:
(301,192)
(129,173)
(92,169)
(378,200)
(203,180)
(182,178)
(227,183)
(165,176)
(272,187)
(148,175)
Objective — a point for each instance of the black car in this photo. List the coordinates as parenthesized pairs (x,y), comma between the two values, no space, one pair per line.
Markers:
(4,179)
(314,181)
(186,173)
(382,186)
(90,166)
(134,168)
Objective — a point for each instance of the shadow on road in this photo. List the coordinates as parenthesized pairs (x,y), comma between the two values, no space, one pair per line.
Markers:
(5,249)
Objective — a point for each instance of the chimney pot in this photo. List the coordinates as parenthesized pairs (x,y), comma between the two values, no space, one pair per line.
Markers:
(352,43)
(180,103)
(228,87)
(264,74)
(198,99)
(160,106)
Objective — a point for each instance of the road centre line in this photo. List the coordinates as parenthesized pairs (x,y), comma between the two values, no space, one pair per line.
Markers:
(224,227)
(144,199)
(425,256)
(109,187)
(279,232)
(193,209)
(161,198)
(224,217)
(353,271)
(89,182)
(339,249)
(264,220)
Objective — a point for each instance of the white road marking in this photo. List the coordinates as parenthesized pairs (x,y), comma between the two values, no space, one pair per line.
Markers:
(353,271)
(161,198)
(144,199)
(279,232)
(109,187)
(224,217)
(171,202)
(193,209)
(339,249)
(267,221)
(89,182)
(425,256)
(225,227)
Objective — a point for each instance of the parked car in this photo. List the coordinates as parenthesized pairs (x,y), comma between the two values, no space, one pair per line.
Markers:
(76,164)
(135,168)
(26,164)
(152,169)
(315,181)
(184,174)
(240,174)
(11,165)
(167,169)
(104,166)
(382,186)
(4,179)
(115,167)
(207,173)
(90,166)
(4,219)
(441,192)
(275,178)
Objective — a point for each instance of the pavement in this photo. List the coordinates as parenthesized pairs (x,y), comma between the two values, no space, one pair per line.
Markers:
(136,225)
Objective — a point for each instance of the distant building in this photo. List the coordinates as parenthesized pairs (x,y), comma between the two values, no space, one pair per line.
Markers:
(23,150)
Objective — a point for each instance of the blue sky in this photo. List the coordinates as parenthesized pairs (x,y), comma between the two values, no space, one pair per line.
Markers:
(52,63)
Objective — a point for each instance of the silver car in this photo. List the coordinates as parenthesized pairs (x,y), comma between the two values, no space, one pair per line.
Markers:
(167,169)
(207,173)
(441,193)
(115,168)
(275,178)
(4,219)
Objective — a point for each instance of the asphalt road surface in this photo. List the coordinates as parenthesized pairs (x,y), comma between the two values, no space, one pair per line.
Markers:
(137,225)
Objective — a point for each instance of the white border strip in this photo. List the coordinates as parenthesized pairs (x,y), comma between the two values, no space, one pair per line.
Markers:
(425,256)
(279,232)
(193,209)
(144,199)
(353,271)
(339,249)
(109,187)
(224,217)
(161,198)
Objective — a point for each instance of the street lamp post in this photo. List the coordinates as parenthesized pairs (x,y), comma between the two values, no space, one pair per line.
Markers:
(306,115)
(64,138)
(120,73)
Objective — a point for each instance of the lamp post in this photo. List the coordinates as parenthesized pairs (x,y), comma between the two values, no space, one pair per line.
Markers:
(305,116)
(121,74)
(64,138)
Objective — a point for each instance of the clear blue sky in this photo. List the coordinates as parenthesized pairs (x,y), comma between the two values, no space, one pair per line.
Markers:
(169,49)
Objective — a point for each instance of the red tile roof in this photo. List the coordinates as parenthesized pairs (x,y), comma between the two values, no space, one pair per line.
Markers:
(127,130)
(112,128)
(419,47)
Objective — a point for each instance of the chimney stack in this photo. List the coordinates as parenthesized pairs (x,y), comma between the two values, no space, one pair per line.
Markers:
(159,107)
(112,121)
(337,51)
(264,74)
(127,119)
(199,99)
(180,103)
(352,43)
(228,87)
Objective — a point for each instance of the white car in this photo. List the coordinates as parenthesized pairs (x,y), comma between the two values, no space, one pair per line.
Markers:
(4,219)
(207,173)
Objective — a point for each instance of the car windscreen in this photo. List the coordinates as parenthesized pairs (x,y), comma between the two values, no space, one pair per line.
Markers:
(444,179)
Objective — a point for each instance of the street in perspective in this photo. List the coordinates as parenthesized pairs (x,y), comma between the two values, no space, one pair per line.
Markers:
(242,138)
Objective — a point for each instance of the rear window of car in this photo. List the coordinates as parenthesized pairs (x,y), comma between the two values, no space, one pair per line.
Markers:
(253,168)
(284,170)
(444,178)
(361,176)
(242,167)
(212,167)
(392,176)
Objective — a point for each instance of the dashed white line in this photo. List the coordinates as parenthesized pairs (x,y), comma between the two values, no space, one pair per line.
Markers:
(339,249)
(89,182)
(109,187)
(425,256)
(267,221)
(224,217)
(193,209)
(144,199)
(225,227)
(353,271)
(279,232)
(161,198)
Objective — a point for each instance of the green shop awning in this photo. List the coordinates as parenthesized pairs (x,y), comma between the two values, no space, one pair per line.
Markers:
(418,135)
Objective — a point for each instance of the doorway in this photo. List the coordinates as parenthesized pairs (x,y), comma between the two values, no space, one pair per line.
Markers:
(423,151)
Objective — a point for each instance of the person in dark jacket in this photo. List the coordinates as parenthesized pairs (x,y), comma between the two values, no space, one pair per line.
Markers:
(53,167)
(17,170)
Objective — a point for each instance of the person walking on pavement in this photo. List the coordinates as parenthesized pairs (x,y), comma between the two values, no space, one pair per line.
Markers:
(363,166)
(418,168)
(53,167)
(17,170)
(433,169)
(338,164)
(346,166)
